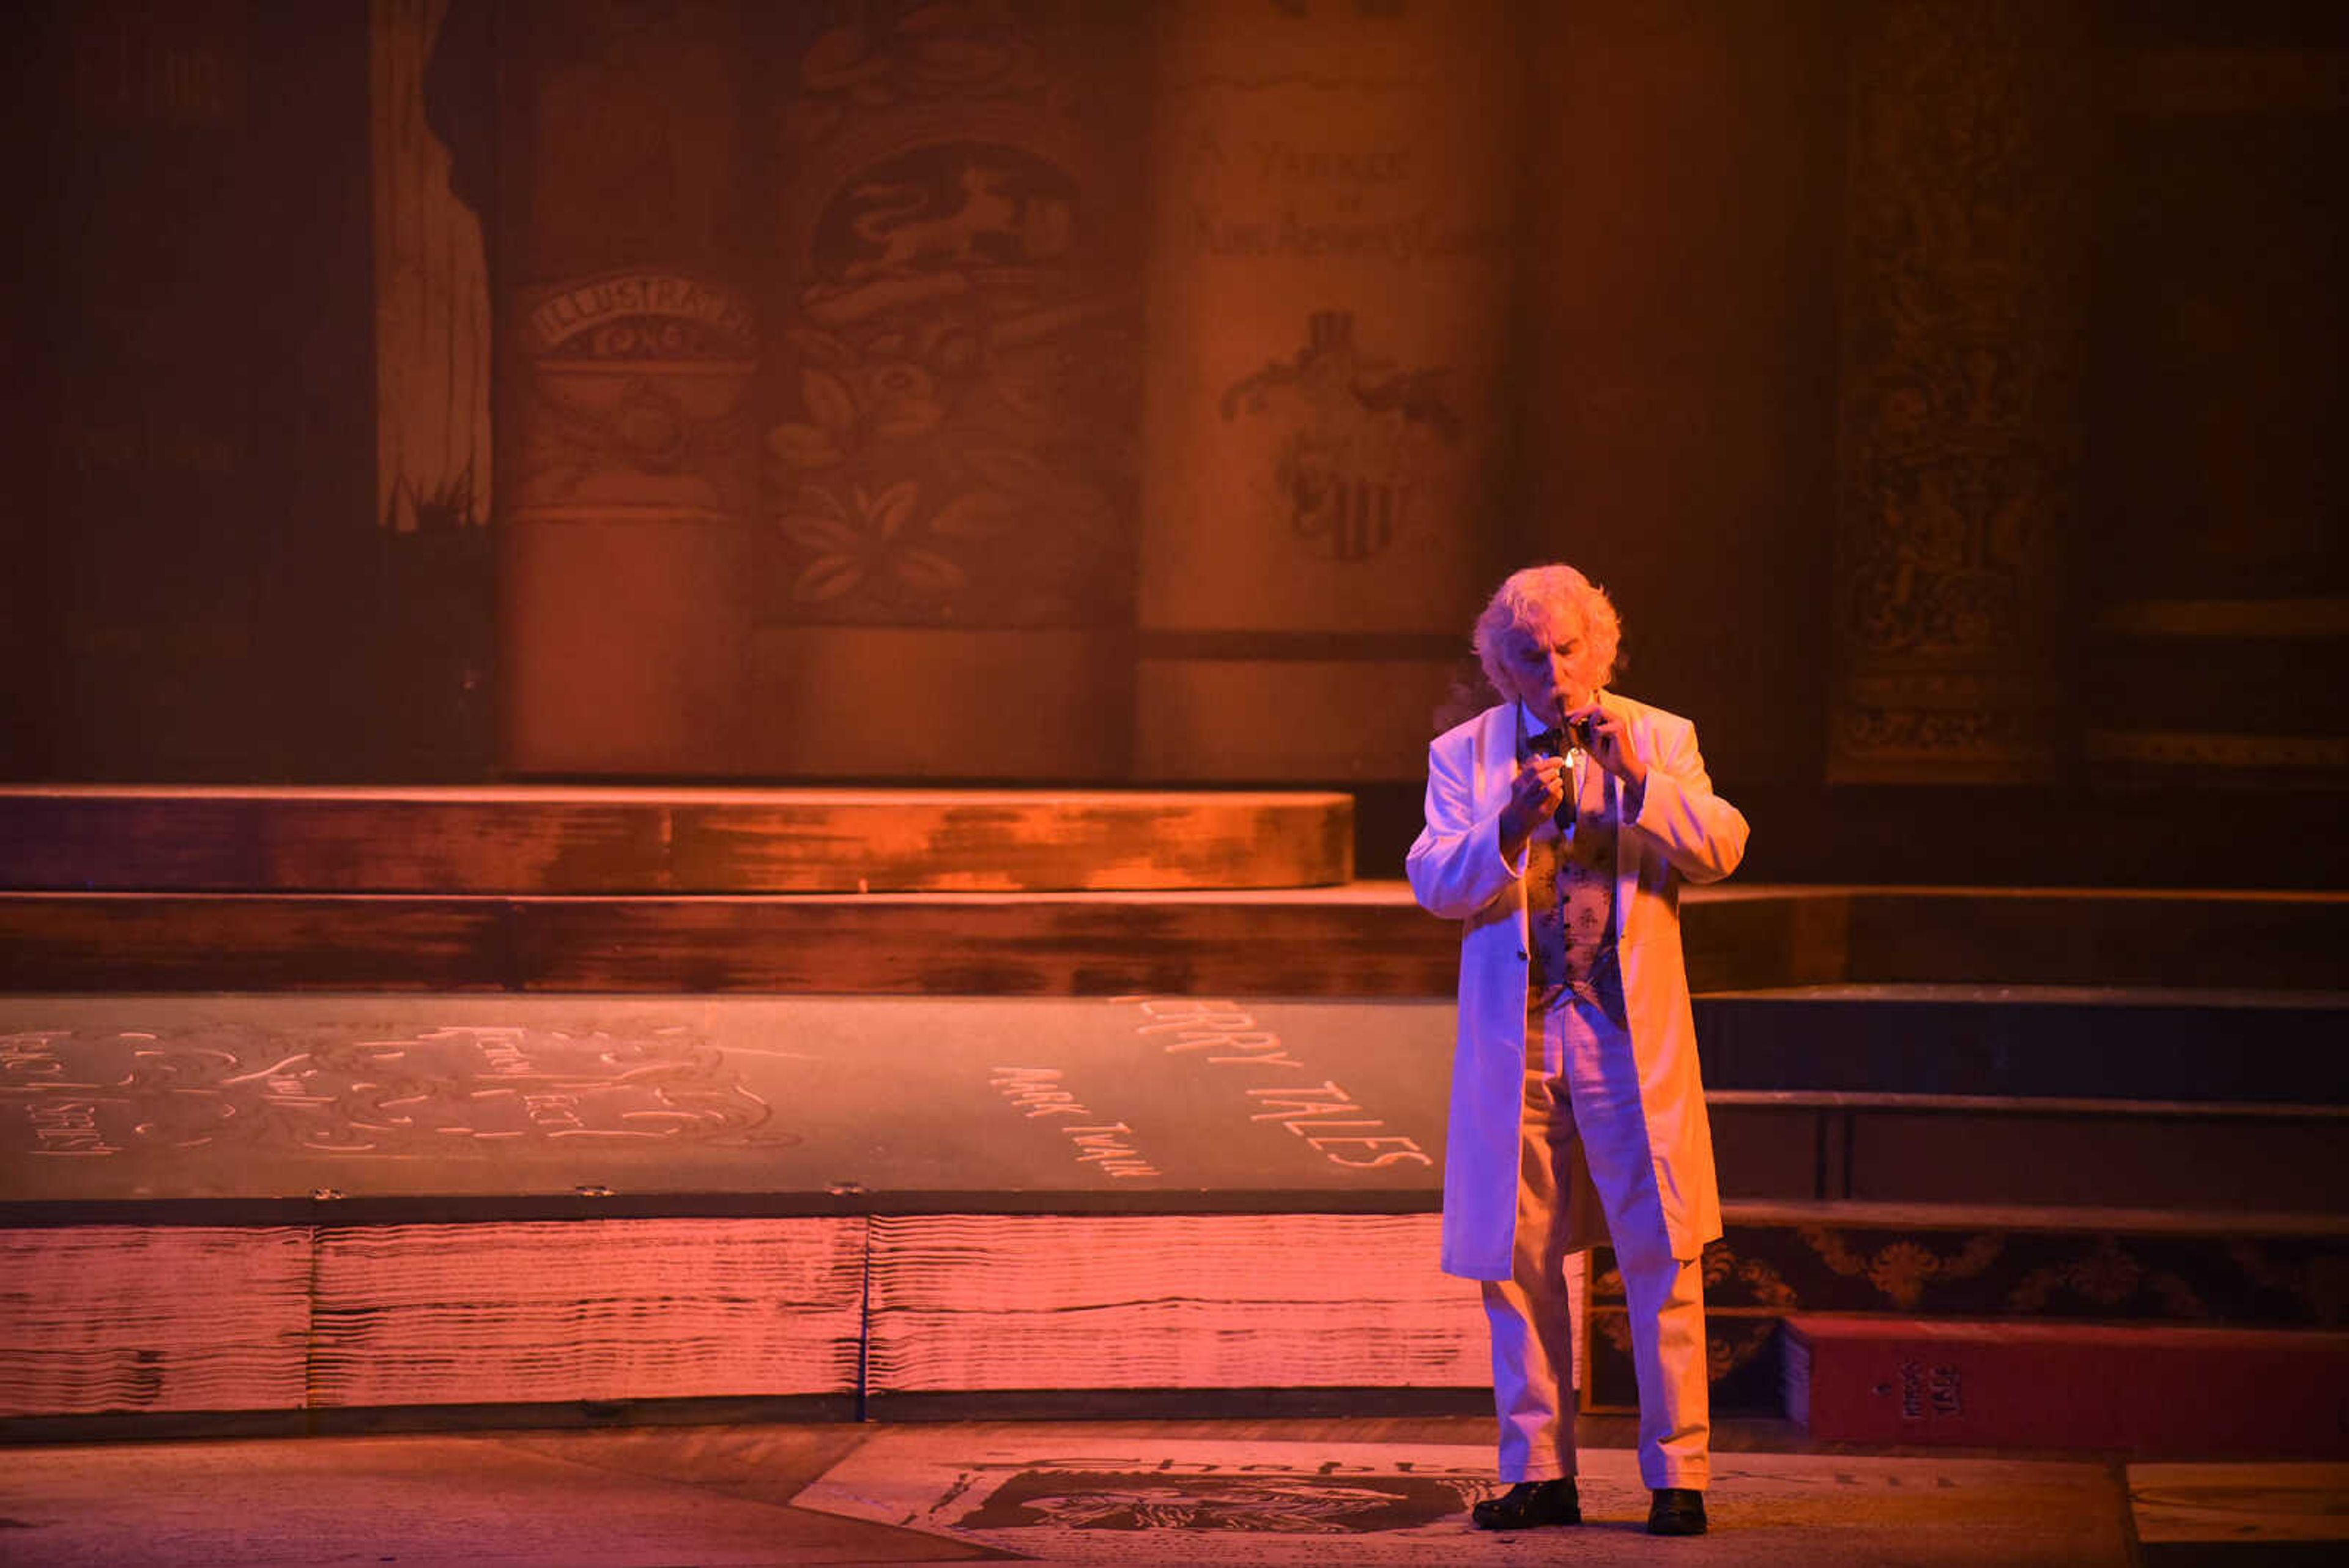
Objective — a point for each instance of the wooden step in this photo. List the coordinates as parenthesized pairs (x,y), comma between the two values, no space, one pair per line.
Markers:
(2150,1390)
(1360,939)
(2086,936)
(2056,1150)
(577,840)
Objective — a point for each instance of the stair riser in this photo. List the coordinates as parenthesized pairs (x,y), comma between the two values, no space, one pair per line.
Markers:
(1349,942)
(2181,1050)
(2018,1156)
(580,841)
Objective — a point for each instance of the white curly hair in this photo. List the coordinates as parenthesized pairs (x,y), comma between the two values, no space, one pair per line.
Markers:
(1537,600)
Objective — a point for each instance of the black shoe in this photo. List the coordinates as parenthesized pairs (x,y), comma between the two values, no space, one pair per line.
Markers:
(1677,1511)
(1529,1505)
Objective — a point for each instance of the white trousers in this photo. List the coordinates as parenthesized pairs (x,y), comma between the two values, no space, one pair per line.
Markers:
(1582,1104)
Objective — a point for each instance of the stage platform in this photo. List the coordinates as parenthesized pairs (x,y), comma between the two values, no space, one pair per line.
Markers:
(328,1202)
(339,1101)
(559,839)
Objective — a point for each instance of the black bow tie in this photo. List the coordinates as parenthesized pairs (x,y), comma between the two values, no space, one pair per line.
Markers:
(1548,743)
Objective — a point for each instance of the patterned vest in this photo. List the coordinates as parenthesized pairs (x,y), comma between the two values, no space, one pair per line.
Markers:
(1570,895)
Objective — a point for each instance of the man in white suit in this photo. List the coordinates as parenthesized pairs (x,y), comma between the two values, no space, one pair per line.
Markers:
(1560,824)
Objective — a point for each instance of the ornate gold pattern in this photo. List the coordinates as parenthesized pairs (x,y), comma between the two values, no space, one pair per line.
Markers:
(2322,1283)
(1724,1351)
(2107,1275)
(1960,424)
(2173,1293)
(1902,1269)
(1726,1354)
(2203,748)
(1769,1287)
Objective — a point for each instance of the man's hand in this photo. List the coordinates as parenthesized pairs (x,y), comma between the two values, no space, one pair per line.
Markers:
(1533,798)
(1611,746)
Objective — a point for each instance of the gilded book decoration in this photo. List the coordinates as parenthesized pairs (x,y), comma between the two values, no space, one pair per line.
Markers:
(1330,263)
(627,446)
(1333,234)
(637,379)
(1958,446)
(1358,430)
(956,390)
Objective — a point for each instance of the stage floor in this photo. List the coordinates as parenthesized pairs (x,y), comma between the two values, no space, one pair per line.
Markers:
(382,1109)
(1367,1492)
(462,1106)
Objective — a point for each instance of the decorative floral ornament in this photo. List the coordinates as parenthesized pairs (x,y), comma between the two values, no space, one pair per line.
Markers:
(854,404)
(851,552)
(1902,1269)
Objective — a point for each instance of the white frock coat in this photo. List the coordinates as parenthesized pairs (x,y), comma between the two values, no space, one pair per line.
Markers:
(1683,831)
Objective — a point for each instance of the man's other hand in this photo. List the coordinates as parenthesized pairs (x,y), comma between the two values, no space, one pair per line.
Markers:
(1534,799)
(1611,746)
